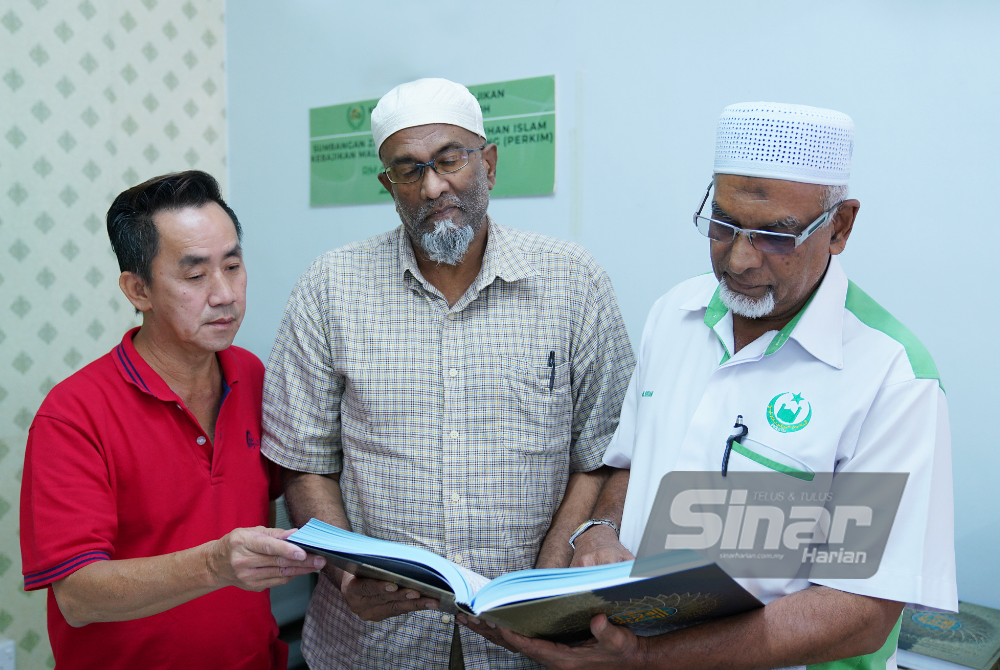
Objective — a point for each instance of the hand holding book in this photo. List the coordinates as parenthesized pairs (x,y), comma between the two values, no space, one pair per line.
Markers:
(375,600)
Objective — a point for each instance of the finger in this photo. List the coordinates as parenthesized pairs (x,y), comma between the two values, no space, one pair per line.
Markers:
(402,606)
(295,571)
(612,638)
(513,638)
(382,592)
(265,544)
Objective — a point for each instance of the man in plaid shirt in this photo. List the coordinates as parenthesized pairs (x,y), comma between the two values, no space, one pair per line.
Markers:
(451,384)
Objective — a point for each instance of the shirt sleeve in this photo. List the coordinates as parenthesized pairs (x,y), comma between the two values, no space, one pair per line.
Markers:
(619,451)
(907,430)
(601,367)
(302,390)
(68,509)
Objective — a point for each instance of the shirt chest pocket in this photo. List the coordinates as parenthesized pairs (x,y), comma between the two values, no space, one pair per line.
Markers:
(754,456)
(537,410)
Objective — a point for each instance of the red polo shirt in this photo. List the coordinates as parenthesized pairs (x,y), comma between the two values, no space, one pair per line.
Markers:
(117,467)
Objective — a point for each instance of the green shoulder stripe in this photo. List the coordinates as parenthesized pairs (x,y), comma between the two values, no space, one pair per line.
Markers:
(875,316)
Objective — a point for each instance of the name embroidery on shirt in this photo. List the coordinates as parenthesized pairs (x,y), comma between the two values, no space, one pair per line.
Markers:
(251,442)
(788,417)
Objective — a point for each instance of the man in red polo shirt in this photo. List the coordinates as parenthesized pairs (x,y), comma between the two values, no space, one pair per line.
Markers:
(140,466)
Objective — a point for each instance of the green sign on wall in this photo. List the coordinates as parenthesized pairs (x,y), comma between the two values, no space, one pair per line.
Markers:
(519,116)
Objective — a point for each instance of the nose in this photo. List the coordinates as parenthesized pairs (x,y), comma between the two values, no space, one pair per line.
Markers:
(433,184)
(223,292)
(743,256)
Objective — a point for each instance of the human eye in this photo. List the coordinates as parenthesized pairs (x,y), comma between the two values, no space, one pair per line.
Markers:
(405,170)
(449,160)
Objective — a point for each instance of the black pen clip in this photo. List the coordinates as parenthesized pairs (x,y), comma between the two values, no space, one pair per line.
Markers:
(552,374)
(742,432)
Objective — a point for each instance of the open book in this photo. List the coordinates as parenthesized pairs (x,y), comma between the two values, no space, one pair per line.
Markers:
(684,588)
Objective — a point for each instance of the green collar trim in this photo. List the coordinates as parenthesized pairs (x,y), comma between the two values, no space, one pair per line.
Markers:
(786,332)
(716,310)
(713,314)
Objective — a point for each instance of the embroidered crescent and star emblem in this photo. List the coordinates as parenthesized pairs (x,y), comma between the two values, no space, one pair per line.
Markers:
(788,412)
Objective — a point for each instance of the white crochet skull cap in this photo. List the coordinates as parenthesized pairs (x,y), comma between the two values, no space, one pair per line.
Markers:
(781,141)
(425,101)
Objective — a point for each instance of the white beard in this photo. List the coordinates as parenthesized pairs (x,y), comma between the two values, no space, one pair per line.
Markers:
(447,243)
(745,306)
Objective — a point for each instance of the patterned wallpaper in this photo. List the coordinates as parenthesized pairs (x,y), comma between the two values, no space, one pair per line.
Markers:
(95,96)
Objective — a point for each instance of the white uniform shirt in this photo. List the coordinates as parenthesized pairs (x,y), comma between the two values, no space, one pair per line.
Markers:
(844,387)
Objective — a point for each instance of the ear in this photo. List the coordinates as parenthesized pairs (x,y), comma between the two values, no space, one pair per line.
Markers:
(135,290)
(386,184)
(843,224)
(490,160)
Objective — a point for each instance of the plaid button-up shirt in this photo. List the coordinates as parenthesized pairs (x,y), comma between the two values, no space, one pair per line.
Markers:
(451,430)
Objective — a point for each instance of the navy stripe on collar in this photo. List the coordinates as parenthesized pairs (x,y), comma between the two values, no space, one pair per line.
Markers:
(130,369)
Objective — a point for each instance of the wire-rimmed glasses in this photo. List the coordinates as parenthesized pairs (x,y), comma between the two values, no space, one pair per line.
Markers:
(762,240)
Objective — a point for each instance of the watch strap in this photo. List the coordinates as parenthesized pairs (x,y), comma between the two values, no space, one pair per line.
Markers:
(588,524)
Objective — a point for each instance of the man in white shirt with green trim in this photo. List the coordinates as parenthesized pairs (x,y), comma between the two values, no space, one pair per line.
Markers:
(825,379)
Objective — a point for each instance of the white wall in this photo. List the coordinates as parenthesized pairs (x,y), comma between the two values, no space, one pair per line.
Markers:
(639,89)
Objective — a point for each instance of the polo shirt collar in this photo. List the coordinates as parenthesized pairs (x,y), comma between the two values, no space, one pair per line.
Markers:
(136,371)
(502,259)
(818,327)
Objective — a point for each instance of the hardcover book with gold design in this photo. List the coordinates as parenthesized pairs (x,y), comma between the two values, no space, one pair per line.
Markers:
(681,588)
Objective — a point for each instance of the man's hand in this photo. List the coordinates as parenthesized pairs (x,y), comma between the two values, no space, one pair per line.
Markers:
(611,647)
(258,558)
(486,629)
(374,600)
(599,545)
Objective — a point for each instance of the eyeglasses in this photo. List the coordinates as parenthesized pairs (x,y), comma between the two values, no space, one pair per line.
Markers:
(446,163)
(761,240)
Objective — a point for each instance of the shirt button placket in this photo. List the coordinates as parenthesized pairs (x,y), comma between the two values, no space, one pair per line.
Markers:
(455,436)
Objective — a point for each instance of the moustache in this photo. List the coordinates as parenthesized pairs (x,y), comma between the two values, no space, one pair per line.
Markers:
(437,205)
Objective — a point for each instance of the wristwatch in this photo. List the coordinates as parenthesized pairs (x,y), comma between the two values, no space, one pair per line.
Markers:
(592,522)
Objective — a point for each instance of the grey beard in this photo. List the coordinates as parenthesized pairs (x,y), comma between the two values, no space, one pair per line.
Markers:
(745,306)
(447,243)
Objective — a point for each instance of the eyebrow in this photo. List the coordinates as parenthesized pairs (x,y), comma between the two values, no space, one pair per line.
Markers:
(787,223)
(191,260)
(450,146)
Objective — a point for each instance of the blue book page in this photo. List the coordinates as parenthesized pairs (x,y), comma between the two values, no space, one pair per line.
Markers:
(325,537)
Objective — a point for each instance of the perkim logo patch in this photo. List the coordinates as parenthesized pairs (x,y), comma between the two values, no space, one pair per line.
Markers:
(785,412)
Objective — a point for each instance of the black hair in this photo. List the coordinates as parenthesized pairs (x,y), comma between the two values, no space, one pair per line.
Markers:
(130,220)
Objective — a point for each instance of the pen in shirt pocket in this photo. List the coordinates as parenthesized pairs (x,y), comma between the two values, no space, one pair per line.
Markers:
(552,373)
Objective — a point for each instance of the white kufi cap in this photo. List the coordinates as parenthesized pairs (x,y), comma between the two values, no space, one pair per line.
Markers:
(425,101)
(790,142)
